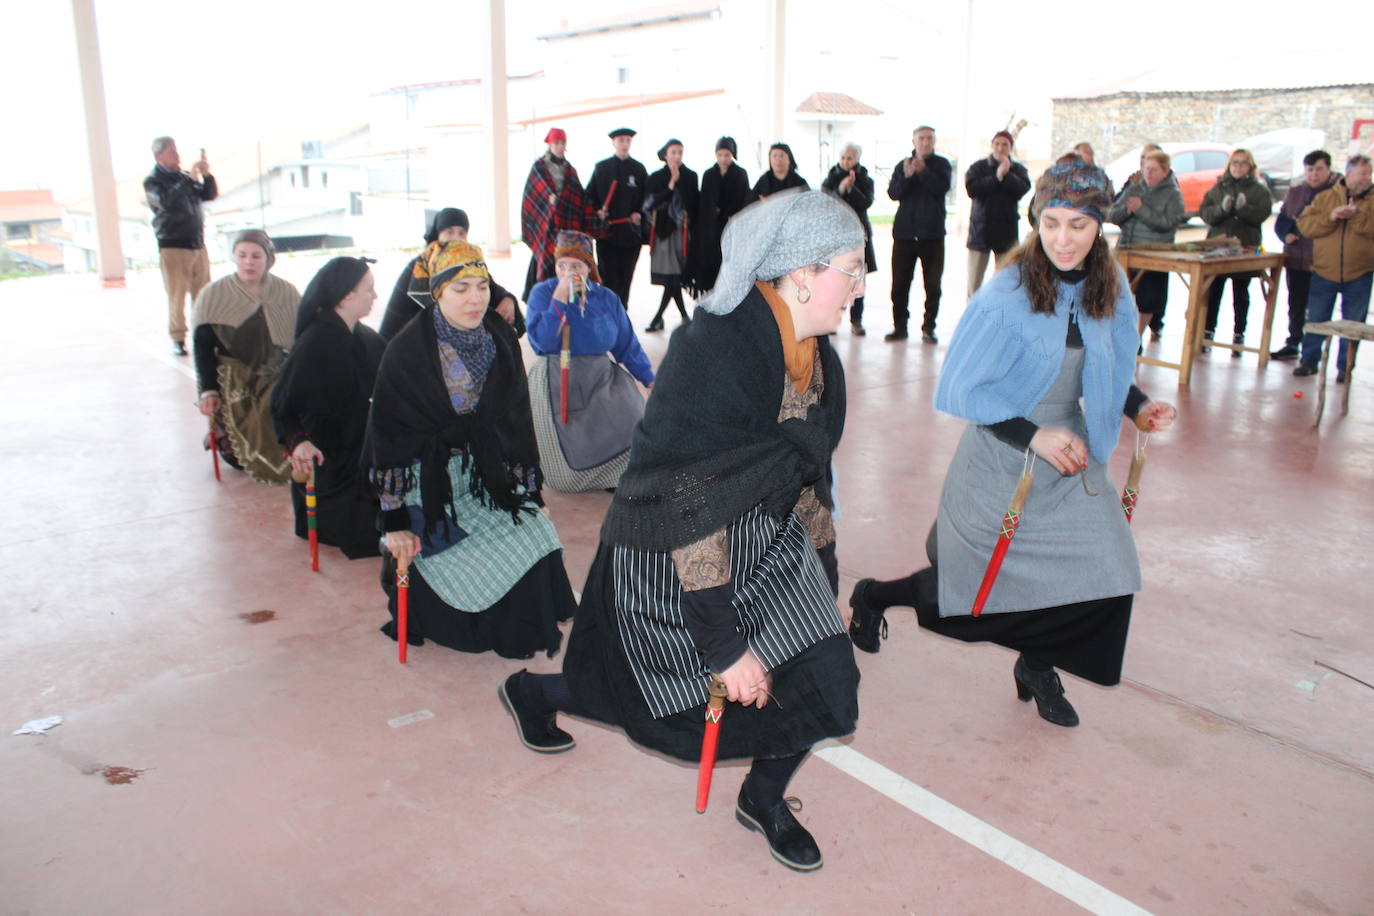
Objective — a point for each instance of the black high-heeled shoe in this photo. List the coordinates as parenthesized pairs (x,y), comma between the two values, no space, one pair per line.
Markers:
(1048,691)
(655,325)
(867,625)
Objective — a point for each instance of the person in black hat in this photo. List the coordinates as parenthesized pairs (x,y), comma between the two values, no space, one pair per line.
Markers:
(447,225)
(618,213)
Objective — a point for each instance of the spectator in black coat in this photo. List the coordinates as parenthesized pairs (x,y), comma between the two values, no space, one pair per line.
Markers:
(995,184)
(919,185)
(851,182)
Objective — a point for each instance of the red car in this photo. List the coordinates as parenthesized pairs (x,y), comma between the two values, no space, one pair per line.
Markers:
(1197,166)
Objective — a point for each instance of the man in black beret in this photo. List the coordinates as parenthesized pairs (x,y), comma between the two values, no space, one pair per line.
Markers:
(618,211)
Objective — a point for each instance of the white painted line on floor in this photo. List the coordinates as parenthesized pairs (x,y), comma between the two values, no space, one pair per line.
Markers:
(977,833)
(410,718)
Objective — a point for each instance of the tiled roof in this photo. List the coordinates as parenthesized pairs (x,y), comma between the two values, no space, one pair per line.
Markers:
(28,206)
(835,103)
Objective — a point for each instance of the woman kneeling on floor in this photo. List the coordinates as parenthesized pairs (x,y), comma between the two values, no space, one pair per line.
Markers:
(590,450)
(451,449)
(1057,326)
(718,551)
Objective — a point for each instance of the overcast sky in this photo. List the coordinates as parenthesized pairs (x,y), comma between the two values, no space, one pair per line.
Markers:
(223,74)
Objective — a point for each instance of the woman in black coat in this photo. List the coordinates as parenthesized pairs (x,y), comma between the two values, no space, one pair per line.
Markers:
(320,404)
(724,192)
(670,202)
(447,225)
(852,184)
(782,173)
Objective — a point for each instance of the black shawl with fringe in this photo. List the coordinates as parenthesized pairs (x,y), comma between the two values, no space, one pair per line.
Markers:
(413,419)
(710,446)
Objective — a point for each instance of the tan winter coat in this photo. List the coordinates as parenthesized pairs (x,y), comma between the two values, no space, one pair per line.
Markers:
(1342,249)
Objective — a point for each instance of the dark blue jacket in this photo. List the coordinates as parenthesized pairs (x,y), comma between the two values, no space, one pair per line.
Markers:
(920,199)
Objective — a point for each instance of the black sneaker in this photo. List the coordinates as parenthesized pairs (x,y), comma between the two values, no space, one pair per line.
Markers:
(1285,353)
(1340,376)
(1238,340)
(1304,369)
(856,329)
(899,334)
(929,337)
(536,731)
(178,348)
(788,841)
(867,625)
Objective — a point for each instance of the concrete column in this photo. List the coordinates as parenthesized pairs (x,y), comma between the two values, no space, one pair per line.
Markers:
(970,137)
(109,250)
(494,83)
(777,57)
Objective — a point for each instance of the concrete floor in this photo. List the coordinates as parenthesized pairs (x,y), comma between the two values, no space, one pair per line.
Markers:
(272,769)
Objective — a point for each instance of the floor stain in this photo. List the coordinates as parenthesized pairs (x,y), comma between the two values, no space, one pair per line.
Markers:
(1311,901)
(258,617)
(1258,869)
(1161,894)
(115,776)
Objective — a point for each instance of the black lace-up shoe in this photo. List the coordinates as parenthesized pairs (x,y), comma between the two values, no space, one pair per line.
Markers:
(867,625)
(537,731)
(788,841)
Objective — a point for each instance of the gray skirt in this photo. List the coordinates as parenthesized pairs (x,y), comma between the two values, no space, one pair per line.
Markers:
(592,450)
(1070,547)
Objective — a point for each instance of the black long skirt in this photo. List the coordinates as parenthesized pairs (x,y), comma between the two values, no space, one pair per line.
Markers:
(816,692)
(1087,638)
(346,508)
(523,622)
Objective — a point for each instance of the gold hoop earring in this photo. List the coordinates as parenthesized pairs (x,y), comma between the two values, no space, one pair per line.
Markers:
(803,295)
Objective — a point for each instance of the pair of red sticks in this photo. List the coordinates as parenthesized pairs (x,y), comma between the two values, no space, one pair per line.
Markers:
(1130,495)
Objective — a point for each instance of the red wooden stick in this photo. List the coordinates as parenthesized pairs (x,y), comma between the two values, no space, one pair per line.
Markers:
(715,708)
(402,609)
(214,448)
(610,194)
(564,365)
(1010,522)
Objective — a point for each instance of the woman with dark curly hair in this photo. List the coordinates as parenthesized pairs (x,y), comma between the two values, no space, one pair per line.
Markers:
(1041,367)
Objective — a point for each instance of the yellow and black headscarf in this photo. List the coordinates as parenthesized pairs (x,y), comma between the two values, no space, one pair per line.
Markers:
(442,263)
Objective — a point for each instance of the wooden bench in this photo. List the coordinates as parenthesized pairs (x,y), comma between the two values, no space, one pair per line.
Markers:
(1353,331)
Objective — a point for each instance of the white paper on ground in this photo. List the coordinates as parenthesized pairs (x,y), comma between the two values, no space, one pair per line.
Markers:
(37,726)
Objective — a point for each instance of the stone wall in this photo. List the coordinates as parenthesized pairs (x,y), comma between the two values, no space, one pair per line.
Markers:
(1116,123)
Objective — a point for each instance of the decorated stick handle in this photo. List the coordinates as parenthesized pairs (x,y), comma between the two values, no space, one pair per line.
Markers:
(1130,494)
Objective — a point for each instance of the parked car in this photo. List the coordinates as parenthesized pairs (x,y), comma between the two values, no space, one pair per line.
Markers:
(1196,166)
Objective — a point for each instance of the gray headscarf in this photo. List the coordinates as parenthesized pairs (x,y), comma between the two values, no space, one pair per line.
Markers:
(259,238)
(786,231)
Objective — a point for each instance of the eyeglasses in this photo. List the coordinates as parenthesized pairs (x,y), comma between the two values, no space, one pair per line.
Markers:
(856,277)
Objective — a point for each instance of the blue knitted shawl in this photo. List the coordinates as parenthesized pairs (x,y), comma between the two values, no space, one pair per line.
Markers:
(1003,358)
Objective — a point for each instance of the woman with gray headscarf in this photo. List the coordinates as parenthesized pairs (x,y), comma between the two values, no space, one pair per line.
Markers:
(718,553)
(242,325)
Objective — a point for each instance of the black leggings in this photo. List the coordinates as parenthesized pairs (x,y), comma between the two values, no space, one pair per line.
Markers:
(767,779)
(672,292)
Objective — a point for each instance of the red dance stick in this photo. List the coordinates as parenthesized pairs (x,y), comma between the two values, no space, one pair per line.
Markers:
(402,608)
(1010,522)
(715,708)
(614,222)
(564,365)
(312,521)
(610,194)
(214,448)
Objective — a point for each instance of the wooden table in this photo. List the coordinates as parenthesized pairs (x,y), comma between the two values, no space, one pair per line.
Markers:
(1198,273)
